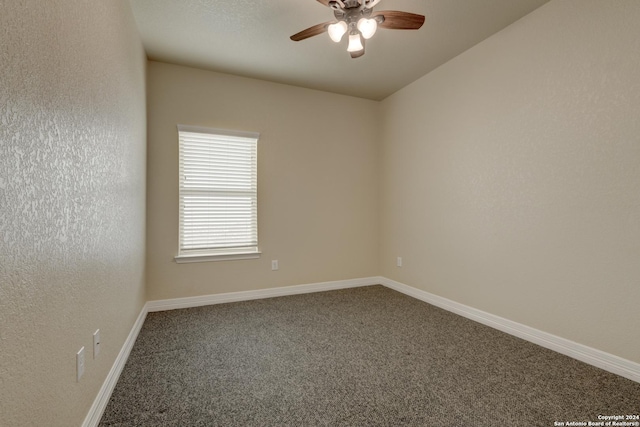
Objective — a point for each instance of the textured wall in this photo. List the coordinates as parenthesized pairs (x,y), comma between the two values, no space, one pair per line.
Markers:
(72,200)
(317,182)
(510,178)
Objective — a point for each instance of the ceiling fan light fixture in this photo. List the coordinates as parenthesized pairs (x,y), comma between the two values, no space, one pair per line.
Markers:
(357,19)
(355,43)
(367,27)
(337,30)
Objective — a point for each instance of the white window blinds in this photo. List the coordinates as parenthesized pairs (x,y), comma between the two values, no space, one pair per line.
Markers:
(218,192)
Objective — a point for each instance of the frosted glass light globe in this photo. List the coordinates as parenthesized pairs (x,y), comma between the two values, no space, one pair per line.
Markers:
(367,27)
(337,30)
(355,44)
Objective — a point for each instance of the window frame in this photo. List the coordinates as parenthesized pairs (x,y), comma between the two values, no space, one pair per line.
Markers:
(211,254)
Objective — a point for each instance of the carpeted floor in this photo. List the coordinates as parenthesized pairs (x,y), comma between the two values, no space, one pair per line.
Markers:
(357,357)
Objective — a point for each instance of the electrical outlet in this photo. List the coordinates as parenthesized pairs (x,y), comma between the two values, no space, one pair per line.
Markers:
(274,264)
(399,261)
(79,364)
(96,343)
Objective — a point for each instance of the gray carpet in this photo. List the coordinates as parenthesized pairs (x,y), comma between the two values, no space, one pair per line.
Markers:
(365,356)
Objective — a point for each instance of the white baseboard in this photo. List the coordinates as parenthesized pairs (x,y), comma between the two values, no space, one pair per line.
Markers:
(592,356)
(175,303)
(100,403)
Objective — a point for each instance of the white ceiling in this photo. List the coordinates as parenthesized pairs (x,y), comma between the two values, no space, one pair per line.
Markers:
(251,38)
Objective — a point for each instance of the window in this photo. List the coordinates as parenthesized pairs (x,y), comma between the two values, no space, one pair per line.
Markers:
(218,195)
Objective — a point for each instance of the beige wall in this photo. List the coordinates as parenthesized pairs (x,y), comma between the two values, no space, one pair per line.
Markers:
(72,201)
(317,181)
(510,178)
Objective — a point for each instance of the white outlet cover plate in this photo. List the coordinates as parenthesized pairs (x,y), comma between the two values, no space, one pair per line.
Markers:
(80,364)
(96,343)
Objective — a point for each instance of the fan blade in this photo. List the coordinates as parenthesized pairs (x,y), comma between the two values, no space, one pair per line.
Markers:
(324,2)
(310,32)
(357,54)
(396,20)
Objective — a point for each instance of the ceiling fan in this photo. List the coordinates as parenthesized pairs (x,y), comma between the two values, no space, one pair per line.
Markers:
(357,18)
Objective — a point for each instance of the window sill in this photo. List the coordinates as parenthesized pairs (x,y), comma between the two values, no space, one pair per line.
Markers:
(233,256)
